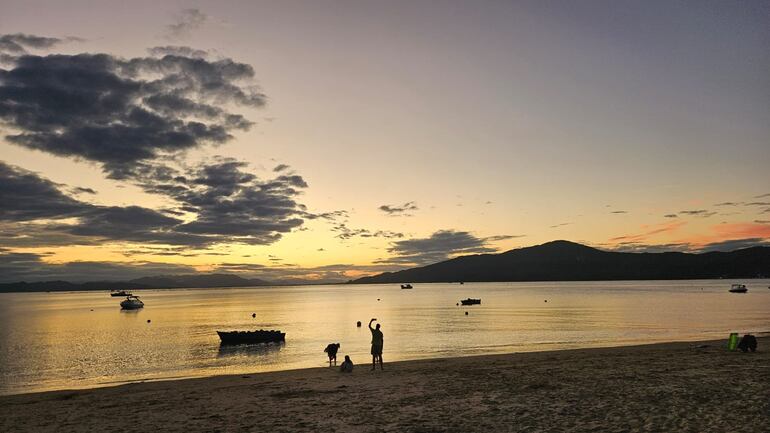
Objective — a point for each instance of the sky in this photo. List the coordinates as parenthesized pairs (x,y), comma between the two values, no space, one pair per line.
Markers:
(322,141)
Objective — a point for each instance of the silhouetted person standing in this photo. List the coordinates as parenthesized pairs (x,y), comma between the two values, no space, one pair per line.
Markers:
(376,345)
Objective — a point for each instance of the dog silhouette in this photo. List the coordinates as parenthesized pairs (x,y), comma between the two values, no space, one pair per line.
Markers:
(331,351)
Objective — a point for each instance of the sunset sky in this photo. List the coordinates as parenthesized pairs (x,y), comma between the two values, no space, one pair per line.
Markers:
(327,140)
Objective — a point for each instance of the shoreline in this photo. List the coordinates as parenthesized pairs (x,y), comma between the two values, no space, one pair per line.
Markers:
(544,349)
(693,386)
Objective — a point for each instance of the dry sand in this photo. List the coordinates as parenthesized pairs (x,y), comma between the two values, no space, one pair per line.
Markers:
(657,388)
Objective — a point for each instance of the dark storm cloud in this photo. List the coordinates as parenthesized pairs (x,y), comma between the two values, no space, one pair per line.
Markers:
(439,246)
(729,203)
(735,244)
(671,215)
(619,211)
(188,21)
(123,112)
(25,196)
(758,203)
(403,210)
(230,205)
(229,202)
(762,195)
(135,117)
(280,167)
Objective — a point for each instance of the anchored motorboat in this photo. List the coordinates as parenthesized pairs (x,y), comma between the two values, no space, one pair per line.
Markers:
(131,303)
(738,288)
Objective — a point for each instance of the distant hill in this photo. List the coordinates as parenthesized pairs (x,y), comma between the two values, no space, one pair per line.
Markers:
(568,261)
(158,282)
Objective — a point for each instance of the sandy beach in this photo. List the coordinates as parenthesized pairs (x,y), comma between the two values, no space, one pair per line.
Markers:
(689,387)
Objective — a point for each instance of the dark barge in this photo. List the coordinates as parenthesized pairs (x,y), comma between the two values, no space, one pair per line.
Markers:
(251,337)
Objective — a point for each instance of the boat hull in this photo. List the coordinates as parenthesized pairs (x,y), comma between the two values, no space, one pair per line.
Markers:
(251,337)
(131,305)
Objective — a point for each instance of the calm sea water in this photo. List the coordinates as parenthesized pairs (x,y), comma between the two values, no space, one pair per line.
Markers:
(82,339)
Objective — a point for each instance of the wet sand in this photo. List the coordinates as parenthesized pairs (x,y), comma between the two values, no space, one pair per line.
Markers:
(662,387)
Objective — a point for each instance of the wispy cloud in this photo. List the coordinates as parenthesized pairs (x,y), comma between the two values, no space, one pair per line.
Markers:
(651,230)
(188,21)
(19,43)
(703,213)
(405,209)
(560,225)
(344,232)
(735,244)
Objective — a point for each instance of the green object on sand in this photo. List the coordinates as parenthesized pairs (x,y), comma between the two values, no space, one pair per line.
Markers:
(732,342)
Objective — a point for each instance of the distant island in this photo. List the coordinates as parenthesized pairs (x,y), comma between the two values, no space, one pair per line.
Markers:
(158,282)
(569,261)
(552,261)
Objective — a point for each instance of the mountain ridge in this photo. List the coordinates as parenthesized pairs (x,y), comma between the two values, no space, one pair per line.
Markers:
(569,261)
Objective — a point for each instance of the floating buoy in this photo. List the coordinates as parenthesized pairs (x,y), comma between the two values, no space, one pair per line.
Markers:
(545,300)
(358,323)
(378,299)
(458,304)
(148,320)
(466,313)
(253,314)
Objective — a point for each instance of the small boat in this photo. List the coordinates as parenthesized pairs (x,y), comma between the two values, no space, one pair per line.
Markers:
(131,303)
(406,286)
(738,288)
(119,293)
(251,337)
(470,301)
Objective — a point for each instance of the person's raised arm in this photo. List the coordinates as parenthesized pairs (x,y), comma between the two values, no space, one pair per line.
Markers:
(370,324)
